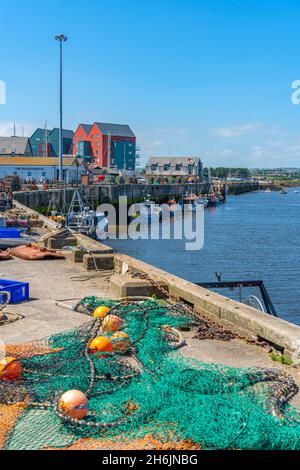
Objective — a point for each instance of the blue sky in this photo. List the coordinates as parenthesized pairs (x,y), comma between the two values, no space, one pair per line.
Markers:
(199,77)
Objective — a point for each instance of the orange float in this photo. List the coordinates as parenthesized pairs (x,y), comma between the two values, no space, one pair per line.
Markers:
(101,312)
(74,404)
(10,369)
(120,342)
(100,345)
(111,323)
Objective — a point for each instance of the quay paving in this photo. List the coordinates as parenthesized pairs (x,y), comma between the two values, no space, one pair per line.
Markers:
(52,280)
(49,280)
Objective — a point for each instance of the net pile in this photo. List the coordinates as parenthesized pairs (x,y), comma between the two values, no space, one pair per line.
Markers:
(151,397)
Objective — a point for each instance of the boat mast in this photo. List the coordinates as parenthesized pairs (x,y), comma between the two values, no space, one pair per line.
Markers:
(211,188)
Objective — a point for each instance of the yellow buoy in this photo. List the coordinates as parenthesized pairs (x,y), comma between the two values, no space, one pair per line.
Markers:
(101,312)
(100,345)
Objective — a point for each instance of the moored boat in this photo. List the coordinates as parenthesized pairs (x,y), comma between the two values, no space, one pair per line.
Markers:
(190,202)
(203,201)
(212,200)
(171,207)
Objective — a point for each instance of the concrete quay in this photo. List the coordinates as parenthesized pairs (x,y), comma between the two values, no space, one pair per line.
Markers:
(75,278)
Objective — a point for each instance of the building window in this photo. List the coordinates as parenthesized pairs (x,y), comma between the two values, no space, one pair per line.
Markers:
(43,173)
(29,173)
(190,169)
(153,167)
(178,167)
(167,167)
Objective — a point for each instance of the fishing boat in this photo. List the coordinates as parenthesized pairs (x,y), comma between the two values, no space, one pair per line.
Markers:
(203,201)
(220,198)
(82,219)
(171,207)
(212,200)
(190,202)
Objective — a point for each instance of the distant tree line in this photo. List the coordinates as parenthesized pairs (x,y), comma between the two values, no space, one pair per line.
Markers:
(222,172)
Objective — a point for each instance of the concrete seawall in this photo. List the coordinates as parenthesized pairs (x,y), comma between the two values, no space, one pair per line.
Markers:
(241,188)
(103,193)
(240,318)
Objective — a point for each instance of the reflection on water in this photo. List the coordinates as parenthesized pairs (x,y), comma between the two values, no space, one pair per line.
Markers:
(252,236)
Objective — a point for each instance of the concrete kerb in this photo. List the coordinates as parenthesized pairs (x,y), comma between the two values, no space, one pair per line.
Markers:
(88,245)
(238,317)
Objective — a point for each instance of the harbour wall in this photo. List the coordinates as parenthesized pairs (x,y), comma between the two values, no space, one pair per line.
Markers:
(235,189)
(97,194)
(244,320)
(106,193)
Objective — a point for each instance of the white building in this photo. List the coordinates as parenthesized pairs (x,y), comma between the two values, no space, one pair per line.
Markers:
(174,166)
(43,169)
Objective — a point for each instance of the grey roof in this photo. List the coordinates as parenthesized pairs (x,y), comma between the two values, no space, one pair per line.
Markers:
(121,130)
(39,129)
(173,160)
(15,145)
(68,134)
(86,127)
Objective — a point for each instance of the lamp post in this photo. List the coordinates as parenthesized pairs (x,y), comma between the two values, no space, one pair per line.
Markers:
(61,38)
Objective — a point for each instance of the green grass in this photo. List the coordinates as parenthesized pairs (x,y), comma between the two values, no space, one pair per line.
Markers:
(42,210)
(280,358)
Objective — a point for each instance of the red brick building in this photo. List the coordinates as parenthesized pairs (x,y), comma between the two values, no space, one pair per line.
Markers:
(108,145)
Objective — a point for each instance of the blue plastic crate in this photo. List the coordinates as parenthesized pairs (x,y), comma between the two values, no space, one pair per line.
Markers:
(10,233)
(19,291)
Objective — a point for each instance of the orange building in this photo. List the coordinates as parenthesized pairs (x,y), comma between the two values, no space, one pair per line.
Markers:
(108,145)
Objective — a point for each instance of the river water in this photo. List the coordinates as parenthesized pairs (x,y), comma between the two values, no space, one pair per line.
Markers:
(254,236)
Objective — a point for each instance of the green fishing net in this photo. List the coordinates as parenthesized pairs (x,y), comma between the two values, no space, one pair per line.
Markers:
(152,390)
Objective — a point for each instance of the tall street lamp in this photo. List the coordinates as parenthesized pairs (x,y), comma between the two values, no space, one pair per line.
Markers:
(61,38)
